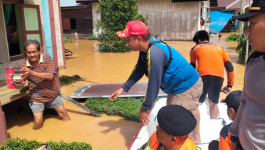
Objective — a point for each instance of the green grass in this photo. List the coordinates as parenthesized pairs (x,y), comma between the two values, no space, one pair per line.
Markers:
(124,107)
(23,144)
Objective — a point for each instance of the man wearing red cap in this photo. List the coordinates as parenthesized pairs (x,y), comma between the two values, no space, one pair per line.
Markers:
(249,125)
(165,68)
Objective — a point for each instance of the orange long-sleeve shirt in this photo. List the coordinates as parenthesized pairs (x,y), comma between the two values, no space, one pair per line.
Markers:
(212,59)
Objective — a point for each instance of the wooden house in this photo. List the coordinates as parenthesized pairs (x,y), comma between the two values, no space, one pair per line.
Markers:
(167,19)
(21,20)
(77,17)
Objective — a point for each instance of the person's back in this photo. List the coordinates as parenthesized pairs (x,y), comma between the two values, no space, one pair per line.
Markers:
(225,140)
(211,58)
(179,76)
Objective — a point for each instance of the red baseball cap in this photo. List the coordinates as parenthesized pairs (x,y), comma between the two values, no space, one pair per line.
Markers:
(136,28)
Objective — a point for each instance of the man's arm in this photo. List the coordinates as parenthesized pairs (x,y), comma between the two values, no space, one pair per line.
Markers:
(193,58)
(158,59)
(230,72)
(156,63)
(42,75)
(135,76)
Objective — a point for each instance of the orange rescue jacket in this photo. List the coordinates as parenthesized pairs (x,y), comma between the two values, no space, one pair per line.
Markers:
(212,59)
(153,144)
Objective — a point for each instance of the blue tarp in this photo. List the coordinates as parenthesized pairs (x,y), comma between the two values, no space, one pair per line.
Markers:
(219,19)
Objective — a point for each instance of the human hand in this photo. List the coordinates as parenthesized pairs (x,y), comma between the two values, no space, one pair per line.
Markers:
(116,94)
(25,72)
(43,147)
(226,90)
(143,116)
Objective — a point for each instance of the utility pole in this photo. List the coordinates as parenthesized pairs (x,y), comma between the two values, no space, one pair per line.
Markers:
(247,45)
(242,10)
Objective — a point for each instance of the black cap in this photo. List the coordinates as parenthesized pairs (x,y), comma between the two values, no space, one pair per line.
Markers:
(232,100)
(257,7)
(176,120)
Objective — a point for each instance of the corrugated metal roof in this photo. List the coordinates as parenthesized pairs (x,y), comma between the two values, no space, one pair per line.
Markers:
(224,3)
(69,3)
(232,4)
(237,5)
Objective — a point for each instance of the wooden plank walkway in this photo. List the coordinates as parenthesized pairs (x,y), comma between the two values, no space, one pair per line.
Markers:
(9,95)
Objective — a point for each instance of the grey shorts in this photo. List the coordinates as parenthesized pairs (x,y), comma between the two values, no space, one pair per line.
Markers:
(188,99)
(39,107)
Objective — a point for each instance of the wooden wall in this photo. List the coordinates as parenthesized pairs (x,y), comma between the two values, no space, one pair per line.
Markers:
(58,29)
(4,53)
(83,16)
(171,21)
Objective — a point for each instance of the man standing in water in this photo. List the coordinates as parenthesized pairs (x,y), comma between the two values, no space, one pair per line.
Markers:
(165,68)
(211,59)
(39,70)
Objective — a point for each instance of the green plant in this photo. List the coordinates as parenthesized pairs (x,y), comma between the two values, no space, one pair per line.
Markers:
(125,107)
(114,16)
(67,38)
(232,37)
(241,49)
(23,144)
(92,37)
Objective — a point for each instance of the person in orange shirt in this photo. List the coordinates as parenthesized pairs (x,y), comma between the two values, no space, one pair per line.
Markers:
(232,101)
(211,59)
(172,132)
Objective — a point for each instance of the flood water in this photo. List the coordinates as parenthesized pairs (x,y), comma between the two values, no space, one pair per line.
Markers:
(106,132)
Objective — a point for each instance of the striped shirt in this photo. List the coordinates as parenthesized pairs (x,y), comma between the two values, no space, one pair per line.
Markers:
(42,90)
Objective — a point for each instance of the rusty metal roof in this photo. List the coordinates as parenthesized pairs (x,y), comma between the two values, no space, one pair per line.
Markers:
(231,4)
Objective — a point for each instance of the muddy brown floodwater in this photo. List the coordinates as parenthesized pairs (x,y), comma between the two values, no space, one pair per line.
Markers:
(106,132)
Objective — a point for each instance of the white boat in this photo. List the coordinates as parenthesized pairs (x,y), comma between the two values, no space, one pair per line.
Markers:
(209,128)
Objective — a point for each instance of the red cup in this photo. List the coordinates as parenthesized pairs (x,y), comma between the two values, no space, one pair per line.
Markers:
(9,70)
(11,85)
(9,78)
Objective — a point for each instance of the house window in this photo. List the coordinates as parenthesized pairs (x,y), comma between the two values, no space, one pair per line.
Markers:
(73,23)
(11,29)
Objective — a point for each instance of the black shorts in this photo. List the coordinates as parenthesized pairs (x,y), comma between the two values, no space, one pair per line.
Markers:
(212,86)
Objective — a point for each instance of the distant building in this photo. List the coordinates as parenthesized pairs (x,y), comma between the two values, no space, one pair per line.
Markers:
(77,17)
(222,12)
(167,19)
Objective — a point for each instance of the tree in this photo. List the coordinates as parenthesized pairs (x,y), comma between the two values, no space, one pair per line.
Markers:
(114,16)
